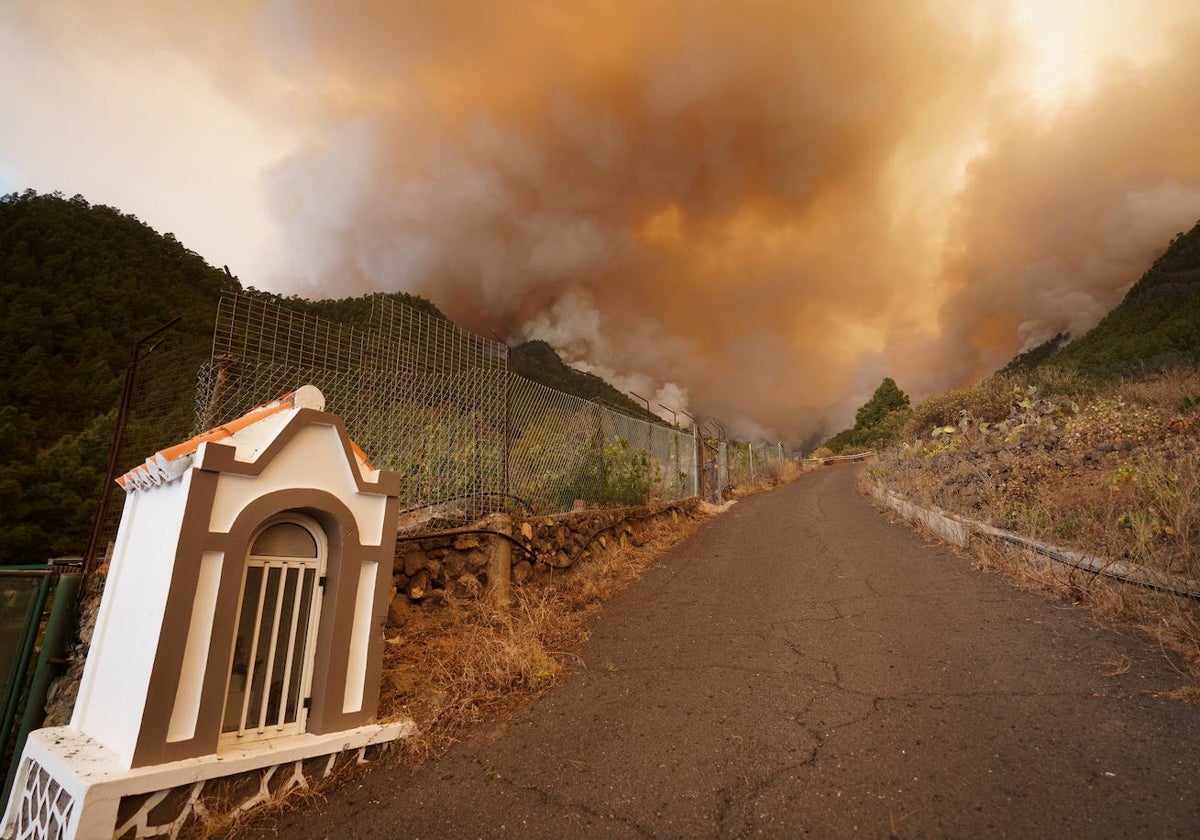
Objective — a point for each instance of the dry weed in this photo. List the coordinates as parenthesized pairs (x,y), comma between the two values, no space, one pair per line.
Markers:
(212,820)
(451,667)
(1167,390)
(1172,621)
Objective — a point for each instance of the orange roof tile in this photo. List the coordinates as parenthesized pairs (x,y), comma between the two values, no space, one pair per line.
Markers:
(163,457)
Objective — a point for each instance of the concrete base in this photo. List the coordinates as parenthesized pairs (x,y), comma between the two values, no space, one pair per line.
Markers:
(69,785)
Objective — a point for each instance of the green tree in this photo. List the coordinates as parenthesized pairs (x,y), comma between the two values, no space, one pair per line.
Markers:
(878,422)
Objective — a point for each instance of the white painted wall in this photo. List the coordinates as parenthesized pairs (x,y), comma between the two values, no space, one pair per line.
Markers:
(116,679)
(313,459)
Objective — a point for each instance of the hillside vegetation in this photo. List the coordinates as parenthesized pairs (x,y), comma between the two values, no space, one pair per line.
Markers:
(1154,330)
(1156,326)
(79,285)
(1091,444)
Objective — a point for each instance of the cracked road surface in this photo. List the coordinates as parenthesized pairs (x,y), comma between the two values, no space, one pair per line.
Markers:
(802,667)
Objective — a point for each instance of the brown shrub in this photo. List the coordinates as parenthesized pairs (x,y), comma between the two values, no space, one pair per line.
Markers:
(1167,390)
(988,402)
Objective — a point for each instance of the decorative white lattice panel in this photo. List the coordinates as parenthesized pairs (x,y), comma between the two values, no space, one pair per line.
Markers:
(46,806)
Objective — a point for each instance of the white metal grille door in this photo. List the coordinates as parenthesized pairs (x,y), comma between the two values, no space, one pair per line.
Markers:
(271,673)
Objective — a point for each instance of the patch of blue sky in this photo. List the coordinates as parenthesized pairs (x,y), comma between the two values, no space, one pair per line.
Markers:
(7,182)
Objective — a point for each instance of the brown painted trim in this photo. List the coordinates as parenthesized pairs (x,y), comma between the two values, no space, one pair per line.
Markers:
(220,457)
(346,554)
(192,542)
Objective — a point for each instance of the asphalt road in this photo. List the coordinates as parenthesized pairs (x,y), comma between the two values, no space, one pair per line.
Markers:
(803,667)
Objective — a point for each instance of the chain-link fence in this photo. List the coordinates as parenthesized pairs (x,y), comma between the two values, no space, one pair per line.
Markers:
(757,463)
(439,406)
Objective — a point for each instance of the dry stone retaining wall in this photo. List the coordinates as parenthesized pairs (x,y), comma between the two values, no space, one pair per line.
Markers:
(427,565)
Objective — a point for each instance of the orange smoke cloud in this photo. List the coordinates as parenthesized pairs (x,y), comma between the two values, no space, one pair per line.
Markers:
(695,193)
(754,210)
(1065,212)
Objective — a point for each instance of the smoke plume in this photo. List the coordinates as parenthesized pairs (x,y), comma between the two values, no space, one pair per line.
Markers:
(750,210)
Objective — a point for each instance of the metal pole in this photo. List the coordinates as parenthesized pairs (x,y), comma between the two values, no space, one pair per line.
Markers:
(649,440)
(643,399)
(697,454)
(20,671)
(674,416)
(58,630)
(507,422)
(110,475)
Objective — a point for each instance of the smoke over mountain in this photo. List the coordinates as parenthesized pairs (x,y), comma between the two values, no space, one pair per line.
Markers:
(754,210)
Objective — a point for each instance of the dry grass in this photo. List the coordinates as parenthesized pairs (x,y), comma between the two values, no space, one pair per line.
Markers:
(1113,470)
(452,667)
(1116,473)
(218,819)
(770,474)
(1172,621)
(1165,391)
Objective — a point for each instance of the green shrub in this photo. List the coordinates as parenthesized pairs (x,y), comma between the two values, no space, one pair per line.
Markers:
(988,402)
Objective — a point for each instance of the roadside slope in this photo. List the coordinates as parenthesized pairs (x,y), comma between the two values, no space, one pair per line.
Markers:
(803,665)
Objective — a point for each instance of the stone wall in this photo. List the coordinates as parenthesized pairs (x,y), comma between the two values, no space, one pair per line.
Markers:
(457,560)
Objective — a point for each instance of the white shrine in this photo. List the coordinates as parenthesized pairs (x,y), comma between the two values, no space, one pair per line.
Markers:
(241,626)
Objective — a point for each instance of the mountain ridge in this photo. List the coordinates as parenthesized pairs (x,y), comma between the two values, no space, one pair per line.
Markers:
(80,283)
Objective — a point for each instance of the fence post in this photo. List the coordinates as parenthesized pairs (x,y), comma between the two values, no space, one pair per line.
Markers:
(58,629)
(499,567)
(20,669)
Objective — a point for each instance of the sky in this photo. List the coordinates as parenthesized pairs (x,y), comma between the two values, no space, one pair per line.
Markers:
(751,210)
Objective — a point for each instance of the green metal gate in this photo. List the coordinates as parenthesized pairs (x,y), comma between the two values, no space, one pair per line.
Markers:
(26,629)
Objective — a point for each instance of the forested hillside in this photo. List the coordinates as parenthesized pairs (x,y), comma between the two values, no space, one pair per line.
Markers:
(79,285)
(1156,326)
(537,360)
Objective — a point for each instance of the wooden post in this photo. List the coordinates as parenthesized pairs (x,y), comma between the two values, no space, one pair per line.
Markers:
(499,568)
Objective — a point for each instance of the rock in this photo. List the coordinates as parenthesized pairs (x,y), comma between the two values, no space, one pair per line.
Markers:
(414,562)
(454,565)
(468,585)
(562,537)
(526,530)
(434,569)
(522,572)
(399,611)
(560,560)
(466,542)
(476,560)
(418,587)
